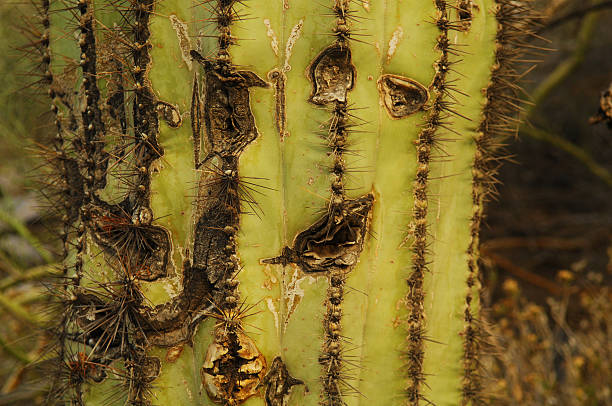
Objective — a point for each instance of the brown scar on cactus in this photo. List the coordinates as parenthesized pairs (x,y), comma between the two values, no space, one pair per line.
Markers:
(196,120)
(170,113)
(279,79)
(334,241)
(233,367)
(131,239)
(394,42)
(151,368)
(332,75)
(230,125)
(401,96)
(184,40)
(278,383)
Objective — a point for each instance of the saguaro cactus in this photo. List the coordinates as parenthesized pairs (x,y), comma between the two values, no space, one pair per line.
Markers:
(273,203)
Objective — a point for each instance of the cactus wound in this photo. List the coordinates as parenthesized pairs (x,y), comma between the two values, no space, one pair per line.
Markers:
(213,244)
(151,368)
(279,79)
(464,13)
(170,114)
(333,242)
(209,277)
(278,384)
(229,122)
(401,96)
(131,240)
(332,74)
(233,367)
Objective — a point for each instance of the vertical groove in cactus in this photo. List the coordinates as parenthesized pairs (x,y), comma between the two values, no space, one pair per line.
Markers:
(273,204)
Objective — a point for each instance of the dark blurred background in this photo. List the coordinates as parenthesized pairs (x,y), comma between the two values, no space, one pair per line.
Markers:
(547,241)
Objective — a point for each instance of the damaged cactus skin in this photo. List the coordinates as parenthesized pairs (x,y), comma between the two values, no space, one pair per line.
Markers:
(271,204)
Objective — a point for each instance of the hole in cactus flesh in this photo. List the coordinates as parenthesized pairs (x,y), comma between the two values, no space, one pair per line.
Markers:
(230,125)
(465,10)
(401,96)
(233,368)
(332,75)
(170,113)
(334,241)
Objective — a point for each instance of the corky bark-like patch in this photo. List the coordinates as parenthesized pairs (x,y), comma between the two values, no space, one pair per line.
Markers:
(278,383)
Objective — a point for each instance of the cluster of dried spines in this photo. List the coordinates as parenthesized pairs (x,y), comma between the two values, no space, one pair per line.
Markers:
(75,370)
(80,164)
(99,325)
(438,111)
(225,15)
(516,26)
